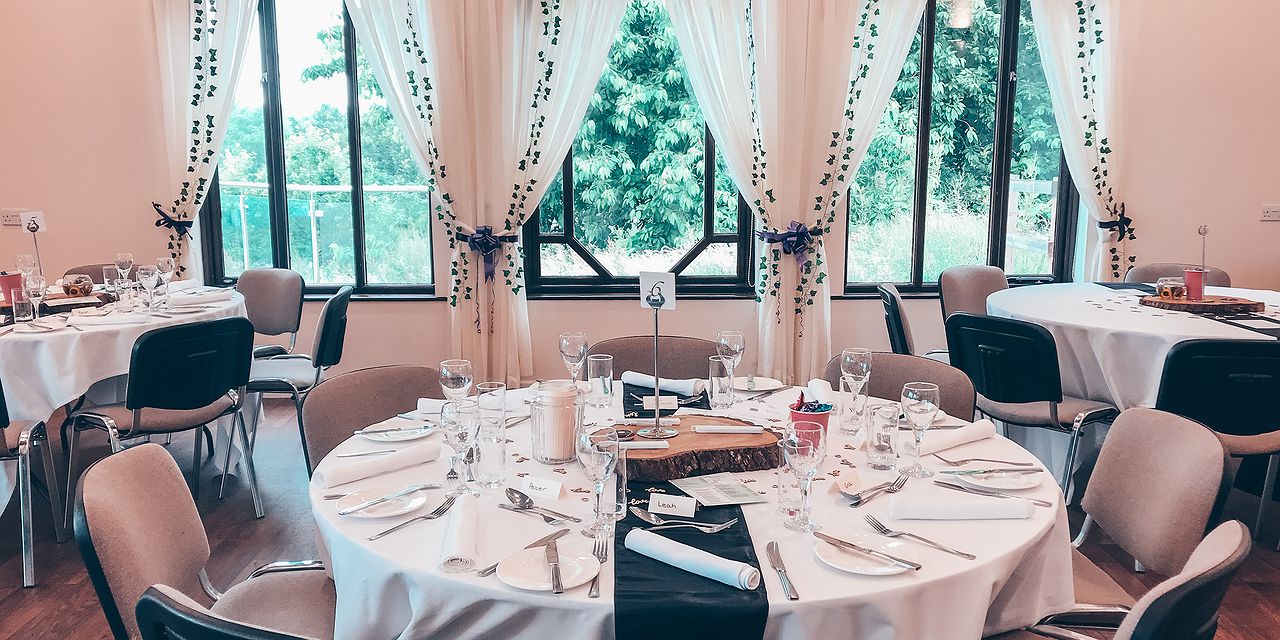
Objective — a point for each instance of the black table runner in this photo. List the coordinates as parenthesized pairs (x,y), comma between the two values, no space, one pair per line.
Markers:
(656,601)
(633,408)
(1146,289)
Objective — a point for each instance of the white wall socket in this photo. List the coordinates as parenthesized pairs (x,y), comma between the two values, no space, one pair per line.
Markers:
(1271,213)
(11,217)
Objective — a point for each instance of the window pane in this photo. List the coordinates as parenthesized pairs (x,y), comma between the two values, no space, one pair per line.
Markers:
(551,209)
(557,259)
(1035,163)
(242,172)
(726,198)
(965,54)
(313,97)
(880,200)
(719,259)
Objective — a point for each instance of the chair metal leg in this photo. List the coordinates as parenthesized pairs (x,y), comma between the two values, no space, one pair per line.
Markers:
(1268,490)
(247,461)
(226,456)
(195,467)
(24,500)
(168,439)
(302,432)
(71,477)
(51,484)
(257,414)
(208,438)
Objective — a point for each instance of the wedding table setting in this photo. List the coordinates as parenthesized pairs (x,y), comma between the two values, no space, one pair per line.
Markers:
(871,518)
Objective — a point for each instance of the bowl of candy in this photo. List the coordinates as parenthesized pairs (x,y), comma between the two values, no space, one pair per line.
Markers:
(1171,288)
(77,285)
(818,412)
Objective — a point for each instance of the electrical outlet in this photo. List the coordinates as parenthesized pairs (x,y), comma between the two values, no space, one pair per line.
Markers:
(11,217)
(1270,213)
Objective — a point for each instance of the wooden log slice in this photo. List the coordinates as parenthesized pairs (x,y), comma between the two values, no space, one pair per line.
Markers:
(1210,304)
(697,454)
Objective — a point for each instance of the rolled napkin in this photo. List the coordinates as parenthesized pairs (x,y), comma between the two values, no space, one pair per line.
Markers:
(727,428)
(204,297)
(459,551)
(352,469)
(956,506)
(648,422)
(690,387)
(644,444)
(943,439)
(819,390)
(683,556)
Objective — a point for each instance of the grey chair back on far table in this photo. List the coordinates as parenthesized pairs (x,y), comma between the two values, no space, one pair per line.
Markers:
(681,356)
(901,340)
(273,303)
(890,371)
(18,438)
(1152,271)
(965,288)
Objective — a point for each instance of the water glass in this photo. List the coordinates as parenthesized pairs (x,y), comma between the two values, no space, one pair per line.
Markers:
(600,374)
(597,450)
(460,421)
(573,350)
(36,287)
(110,275)
(23,311)
(882,438)
(804,449)
(788,484)
(730,345)
(620,485)
(455,378)
(165,267)
(124,264)
(853,407)
(491,399)
(720,382)
(920,405)
(26,264)
(126,295)
(148,277)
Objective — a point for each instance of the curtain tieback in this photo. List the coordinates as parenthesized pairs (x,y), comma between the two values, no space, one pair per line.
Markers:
(487,245)
(796,240)
(181,227)
(1122,226)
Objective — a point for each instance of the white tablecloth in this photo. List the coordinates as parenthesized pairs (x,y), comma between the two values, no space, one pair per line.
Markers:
(392,588)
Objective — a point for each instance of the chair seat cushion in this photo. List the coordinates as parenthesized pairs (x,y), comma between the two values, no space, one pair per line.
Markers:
(1094,586)
(299,372)
(1036,414)
(159,420)
(301,603)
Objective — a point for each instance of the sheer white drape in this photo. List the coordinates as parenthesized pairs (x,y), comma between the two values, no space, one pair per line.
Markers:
(1079,50)
(489,94)
(792,90)
(200,44)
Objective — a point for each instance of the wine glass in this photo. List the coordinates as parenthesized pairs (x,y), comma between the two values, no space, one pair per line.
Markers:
(165,267)
(35,287)
(573,349)
(124,264)
(147,277)
(730,346)
(460,421)
(855,372)
(26,264)
(804,449)
(455,378)
(598,455)
(920,405)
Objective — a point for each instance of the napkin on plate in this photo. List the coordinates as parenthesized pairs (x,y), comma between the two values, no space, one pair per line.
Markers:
(819,390)
(689,387)
(344,470)
(943,439)
(221,294)
(459,551)
(683,556)
(727,428)
(956,506)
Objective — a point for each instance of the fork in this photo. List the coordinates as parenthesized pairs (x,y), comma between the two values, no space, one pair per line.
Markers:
(890,533)
(440,510)
(893,488)
(961,463)
(601,552)
(713,528)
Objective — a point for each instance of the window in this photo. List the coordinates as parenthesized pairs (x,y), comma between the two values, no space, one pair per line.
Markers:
(966,166)
(643,188)
(314,174)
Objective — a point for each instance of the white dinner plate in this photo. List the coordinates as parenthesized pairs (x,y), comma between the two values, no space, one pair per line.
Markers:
(528,569)
(412,430)
(1002,481)
(392,507)
(23,327)
(762,384)
(861,563)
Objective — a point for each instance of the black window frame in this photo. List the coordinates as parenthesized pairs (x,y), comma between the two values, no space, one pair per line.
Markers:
(273,128)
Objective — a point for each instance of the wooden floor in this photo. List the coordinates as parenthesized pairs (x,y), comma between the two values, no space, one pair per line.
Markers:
(63,605)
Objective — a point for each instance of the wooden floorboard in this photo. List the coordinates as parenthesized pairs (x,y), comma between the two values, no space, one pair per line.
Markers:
(64,605)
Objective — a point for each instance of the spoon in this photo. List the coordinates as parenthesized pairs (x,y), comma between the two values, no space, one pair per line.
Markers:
(655,520)
(522,501)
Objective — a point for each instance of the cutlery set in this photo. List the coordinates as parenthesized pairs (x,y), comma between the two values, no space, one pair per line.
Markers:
(989,493)
(664,523)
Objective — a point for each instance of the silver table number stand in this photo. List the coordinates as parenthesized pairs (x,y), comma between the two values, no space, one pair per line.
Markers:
(655,300)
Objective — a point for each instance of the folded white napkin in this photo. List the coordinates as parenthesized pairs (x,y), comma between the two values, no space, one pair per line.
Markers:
(956,506)
(644,444)
(205,297)
(514,403)
(690,387)
(88,320)
(648,422)
(683,556)
(943,439)
(819,390)
(727,428)
(459,551)
(352,469)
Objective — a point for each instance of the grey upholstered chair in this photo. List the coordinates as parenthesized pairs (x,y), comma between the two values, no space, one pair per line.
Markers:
(94,271)
(273,303)
(1152,271)
(965,288)
(18,437)
(136,526)
(360,398)
(1183,607)
(889,371)
(901,340)
(682,357)
(164,613)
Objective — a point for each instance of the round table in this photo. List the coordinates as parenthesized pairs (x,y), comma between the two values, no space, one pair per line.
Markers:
(393,587)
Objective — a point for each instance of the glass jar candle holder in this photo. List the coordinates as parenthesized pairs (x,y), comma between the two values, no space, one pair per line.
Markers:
(556,413)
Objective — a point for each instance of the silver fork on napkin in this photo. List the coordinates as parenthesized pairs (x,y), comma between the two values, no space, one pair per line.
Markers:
(440,510)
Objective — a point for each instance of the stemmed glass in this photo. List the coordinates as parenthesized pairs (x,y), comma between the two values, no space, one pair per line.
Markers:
(36,287)
(573,349)
(124,264)
(598,455)
(804,449)
(730,346)
(460,421)
(165,267)
(26,264)
(455,378)
(147,277)
(855,371)
(920,404)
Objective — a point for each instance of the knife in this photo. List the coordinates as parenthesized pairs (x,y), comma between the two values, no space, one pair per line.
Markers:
(551,537)
(987,492)
(766,394)
(844,544)
(775,561)
(421,427)
(553,559)
(978,472)
(413,488)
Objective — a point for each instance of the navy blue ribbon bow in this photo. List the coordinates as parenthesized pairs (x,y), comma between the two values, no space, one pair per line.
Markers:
(181,227)
(1122,225)
(796,240)
(487,244)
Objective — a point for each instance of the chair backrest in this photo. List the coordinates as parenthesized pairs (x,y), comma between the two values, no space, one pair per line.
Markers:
(1007,360)
(895,318)
(1228,385)
(682,356)
(272,299)
(1185,607)
(1152,271)
(188,366)
(965,288)
(889,371)
(136,525)
(332,332)
(1154,486)
(164,613)
(94,271)
(360,398)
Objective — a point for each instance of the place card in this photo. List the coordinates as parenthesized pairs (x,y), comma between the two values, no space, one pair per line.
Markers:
(672,505)
(665,402)
(542,487)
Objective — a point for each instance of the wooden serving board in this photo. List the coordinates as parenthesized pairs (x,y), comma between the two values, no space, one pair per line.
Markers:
(1210,304)
(696,454)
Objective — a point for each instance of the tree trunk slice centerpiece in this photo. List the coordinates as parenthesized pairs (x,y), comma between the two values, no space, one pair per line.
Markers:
(697,454)
(1210,304)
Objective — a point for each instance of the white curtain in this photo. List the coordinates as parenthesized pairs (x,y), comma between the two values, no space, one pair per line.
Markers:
(200,44)
(489,94)
(792,90)
(1079,50)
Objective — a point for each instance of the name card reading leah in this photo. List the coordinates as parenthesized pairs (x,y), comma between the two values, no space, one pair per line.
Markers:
(541,487)
(672,505)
